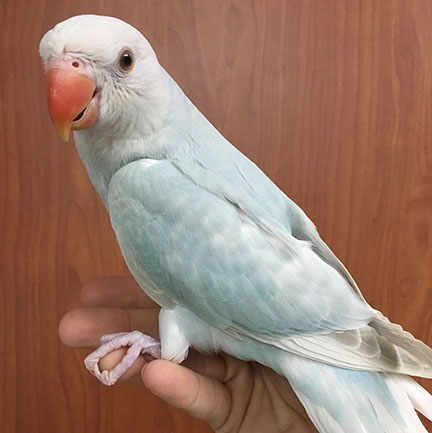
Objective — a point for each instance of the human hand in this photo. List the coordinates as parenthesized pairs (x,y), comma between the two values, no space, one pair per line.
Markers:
(233,396)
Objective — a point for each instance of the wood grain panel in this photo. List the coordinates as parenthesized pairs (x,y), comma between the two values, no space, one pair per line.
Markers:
(332,99)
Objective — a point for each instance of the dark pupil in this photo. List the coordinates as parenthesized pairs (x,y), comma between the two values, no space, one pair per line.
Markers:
(126,60)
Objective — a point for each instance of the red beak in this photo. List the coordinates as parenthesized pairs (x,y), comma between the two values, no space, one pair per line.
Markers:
(71,101)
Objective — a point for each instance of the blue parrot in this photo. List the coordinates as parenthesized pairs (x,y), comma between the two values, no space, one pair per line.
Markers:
(235,265)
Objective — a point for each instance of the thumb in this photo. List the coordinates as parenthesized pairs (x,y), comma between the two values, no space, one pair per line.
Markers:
(201,396)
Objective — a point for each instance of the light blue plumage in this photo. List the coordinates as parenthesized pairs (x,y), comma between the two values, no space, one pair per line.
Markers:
(234,263)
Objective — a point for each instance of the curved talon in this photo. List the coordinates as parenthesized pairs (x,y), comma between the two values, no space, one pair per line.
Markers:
(138,344)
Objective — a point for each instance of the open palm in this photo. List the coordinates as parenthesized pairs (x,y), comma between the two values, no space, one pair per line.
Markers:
(233,396)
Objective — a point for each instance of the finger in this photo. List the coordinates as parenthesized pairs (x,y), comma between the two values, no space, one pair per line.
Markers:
(201,396)
(122,292)
(207,365)
(83,327)
(211,366)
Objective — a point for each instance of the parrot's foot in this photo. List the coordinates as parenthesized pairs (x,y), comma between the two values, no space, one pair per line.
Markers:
(137,343)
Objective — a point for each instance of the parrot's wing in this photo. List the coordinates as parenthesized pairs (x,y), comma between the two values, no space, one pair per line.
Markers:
(188,246)
(291,216)
(381,346)
(206,254)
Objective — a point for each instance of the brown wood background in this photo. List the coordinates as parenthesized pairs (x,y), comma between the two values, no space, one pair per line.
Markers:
(333,99)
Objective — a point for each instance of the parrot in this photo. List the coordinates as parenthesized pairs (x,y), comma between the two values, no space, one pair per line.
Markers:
(235,265)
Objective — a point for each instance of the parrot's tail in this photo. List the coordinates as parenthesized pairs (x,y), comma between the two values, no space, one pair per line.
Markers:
(411,396)
(345,401)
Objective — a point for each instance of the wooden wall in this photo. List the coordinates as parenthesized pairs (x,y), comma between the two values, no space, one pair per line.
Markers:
(333,99)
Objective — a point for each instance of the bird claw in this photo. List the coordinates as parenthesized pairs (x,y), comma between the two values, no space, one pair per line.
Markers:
(137,343)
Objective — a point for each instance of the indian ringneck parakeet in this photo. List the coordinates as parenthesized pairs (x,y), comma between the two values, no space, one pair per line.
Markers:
(235,265)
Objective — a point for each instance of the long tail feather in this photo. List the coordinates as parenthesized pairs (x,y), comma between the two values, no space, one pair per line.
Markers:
(345,401)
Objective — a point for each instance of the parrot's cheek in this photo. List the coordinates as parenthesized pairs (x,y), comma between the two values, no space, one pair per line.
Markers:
(73,100)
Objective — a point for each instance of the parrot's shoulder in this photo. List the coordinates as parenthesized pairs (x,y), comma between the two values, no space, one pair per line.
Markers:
(135,179)
(126,198)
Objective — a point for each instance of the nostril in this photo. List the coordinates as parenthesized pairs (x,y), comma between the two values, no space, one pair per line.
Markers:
(75,64)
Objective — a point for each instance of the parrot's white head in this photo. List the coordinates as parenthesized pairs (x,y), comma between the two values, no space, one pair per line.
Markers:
(103,79)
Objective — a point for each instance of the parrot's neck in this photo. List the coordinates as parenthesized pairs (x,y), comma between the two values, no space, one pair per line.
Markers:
(118,140)
(184,133)
(101,166)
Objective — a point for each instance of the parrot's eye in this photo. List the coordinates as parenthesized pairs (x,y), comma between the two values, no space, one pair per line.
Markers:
(126,60)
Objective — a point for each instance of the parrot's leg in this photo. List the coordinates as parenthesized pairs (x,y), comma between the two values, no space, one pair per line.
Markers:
(137,343)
